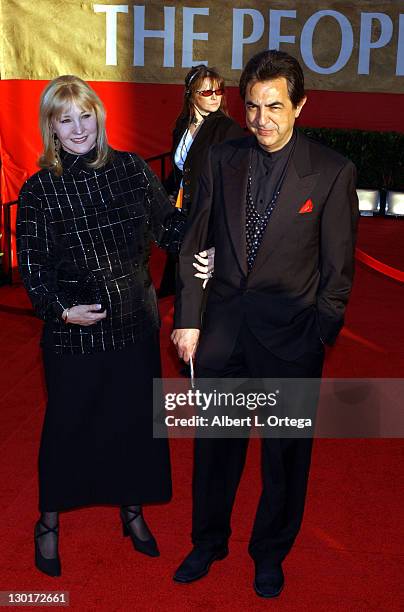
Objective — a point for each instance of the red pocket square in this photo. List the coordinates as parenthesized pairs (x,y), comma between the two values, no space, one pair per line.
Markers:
(307,207)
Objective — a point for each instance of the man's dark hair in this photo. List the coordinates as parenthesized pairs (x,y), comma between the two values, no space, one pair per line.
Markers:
(268,65)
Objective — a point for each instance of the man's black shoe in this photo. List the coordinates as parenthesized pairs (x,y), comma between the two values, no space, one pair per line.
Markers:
(197,564)
(269,579)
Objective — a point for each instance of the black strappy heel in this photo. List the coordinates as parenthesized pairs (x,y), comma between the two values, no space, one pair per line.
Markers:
(147,547)
(51,567)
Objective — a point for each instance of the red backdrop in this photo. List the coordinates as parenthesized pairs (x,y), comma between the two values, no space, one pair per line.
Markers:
(141,118)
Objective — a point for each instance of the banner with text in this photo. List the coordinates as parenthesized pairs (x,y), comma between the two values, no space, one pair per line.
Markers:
(342,45)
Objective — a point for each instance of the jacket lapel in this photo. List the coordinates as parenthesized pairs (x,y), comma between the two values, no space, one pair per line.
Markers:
(235,176)
(198,143)
(297,186)
(203,135)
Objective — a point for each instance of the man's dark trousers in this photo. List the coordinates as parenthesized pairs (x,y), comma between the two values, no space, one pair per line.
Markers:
(219,463)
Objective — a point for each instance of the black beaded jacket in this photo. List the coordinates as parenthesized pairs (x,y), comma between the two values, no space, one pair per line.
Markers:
(84,238)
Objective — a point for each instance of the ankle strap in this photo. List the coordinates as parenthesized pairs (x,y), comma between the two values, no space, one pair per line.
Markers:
(126,510)
(47,529)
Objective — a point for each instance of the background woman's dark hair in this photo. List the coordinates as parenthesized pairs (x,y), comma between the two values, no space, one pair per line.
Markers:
(193,83)
(268,65)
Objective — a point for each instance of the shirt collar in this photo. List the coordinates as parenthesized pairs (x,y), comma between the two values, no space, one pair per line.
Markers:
(77,163)
(281,152)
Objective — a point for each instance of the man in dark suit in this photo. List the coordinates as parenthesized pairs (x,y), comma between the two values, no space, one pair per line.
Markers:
(281,211)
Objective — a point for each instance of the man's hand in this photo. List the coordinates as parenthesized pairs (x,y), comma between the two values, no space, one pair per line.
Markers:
(185,341)
(84,314)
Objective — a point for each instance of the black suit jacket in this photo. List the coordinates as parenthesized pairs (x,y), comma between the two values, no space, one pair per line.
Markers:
(294,298)
(216,128)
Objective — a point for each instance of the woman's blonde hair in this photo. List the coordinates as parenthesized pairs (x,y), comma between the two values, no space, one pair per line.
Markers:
(59,93)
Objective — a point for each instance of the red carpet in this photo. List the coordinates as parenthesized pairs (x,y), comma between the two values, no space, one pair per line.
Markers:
(347,556)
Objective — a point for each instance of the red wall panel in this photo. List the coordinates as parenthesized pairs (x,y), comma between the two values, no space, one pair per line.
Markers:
(140,118)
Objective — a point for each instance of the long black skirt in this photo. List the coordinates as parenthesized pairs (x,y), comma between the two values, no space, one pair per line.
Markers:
(97,444)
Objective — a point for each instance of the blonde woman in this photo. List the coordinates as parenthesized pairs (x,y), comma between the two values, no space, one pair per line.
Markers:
(84,227)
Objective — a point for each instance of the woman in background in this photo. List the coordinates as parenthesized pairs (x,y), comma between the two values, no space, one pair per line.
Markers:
(203,121)
(84,229)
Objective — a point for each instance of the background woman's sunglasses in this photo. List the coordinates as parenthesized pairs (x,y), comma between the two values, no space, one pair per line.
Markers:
(206,93)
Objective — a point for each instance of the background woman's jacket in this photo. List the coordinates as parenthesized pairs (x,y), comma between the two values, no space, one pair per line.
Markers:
(216,128)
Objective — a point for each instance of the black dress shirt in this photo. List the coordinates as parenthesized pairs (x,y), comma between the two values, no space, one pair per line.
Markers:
(86,236)
(266,171)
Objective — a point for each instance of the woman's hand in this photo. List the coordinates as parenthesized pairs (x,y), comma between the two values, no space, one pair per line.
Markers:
(84,314)
(205,265)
